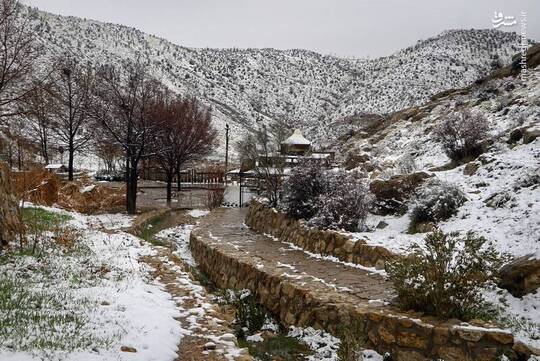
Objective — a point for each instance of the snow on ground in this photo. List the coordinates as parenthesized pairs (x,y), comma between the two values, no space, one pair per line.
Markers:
(522,313)
(513,226)
(180,236)
(323,344)
(503,196)
(108,290)
(196,213)
(197,319)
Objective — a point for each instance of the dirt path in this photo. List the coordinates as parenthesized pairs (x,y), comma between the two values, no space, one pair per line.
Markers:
(208,333)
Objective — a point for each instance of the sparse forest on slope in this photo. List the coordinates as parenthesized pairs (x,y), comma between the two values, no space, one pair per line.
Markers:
(321,94)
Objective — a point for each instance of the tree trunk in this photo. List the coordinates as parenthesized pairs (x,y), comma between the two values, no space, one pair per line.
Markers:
(131,189)
(70,162)
(169,188)
(178,180)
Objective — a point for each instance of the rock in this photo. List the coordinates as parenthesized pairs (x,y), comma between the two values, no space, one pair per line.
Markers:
(348,246)
(228,337)
(515,136)
(128,349)
(530,134)
(521,276)
(471,168)
(424,227)
(452,354)
(209,346)
(525,351)
(392,194)
(354,160)
(470,335)
(501,337)
(441,335)
(412,340)
(381,225)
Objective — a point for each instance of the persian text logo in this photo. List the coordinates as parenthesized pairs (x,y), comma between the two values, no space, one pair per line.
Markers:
(499,20)
(524,45)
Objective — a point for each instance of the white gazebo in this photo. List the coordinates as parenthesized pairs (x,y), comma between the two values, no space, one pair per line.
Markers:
(296,144)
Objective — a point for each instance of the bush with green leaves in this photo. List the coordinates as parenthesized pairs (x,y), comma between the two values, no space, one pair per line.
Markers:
(344,204)
(302,188)
(435,201)
(445,276)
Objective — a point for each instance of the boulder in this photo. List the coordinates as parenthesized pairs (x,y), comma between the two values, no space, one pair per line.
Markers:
(471,168)
(515,136)
(530,134)
(391,195)
(355,160)
(521,276)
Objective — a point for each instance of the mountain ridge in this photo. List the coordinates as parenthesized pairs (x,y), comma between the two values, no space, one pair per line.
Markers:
(299,88)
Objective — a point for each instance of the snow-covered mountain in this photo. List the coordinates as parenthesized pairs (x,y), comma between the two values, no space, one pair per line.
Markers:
(322,94)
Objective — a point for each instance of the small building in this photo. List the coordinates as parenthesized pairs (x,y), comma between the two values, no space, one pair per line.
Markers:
(56,168)
(296,144)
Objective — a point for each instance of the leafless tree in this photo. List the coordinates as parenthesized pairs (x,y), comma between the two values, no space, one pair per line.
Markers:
(187,135)
(72,94)
(37,117)
(461,135)
(259,149)
(18,53)
(127,95)
(107,149)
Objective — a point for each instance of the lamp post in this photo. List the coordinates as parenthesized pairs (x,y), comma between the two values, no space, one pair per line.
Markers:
(226,151)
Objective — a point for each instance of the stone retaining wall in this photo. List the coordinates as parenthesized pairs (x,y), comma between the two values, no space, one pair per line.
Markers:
(408,337)
(264,219)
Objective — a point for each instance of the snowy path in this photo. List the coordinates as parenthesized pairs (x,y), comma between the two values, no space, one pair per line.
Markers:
(138,301)
(206,334)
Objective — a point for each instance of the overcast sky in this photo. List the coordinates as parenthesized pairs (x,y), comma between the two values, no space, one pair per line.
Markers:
(342,27)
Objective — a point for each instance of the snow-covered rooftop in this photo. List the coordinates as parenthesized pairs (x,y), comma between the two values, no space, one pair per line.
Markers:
(54,166)
(296,139)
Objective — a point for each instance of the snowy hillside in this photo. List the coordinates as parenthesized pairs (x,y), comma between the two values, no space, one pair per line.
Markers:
(319,93)
(501,187)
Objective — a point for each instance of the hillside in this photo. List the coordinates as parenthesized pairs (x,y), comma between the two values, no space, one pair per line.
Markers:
(321,94)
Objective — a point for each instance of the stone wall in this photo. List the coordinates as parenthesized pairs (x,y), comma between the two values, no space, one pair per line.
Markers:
(406,336)
(267,220)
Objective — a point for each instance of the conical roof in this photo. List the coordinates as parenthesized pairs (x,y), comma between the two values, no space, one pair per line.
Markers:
(296,139)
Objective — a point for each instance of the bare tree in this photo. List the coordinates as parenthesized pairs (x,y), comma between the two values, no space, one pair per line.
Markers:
(18,53)
(125,111)
(37,117)
(259,150)
(461,135)
(107,149)
(72,100)
(187,135)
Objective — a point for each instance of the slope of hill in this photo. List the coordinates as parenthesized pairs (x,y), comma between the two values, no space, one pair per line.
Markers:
(300,88)
(501,187)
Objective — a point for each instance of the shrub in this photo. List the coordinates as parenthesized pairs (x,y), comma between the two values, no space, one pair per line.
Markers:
(250,315)
(461,135)
(444,277)
(215,198)
(344,203)
(352,341)
(435,201)
(302,188)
